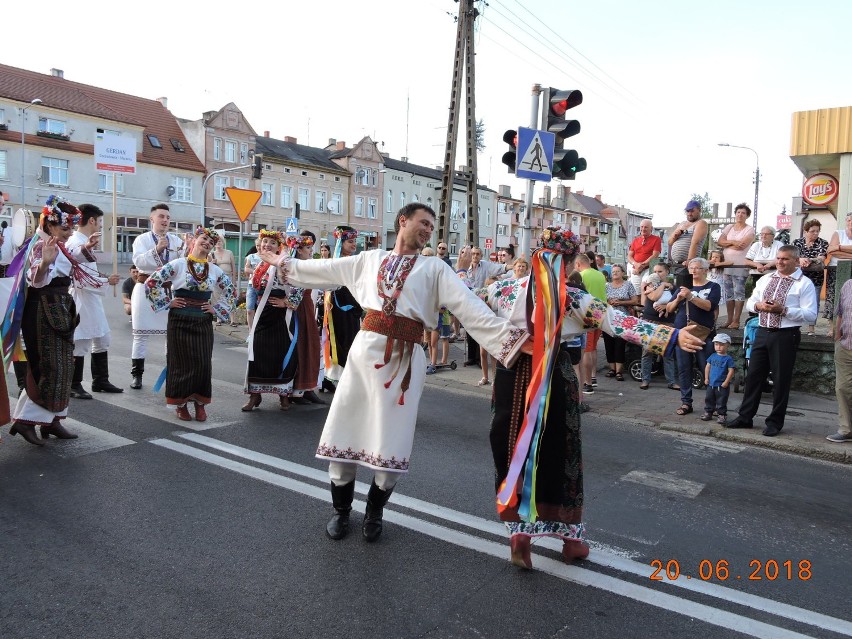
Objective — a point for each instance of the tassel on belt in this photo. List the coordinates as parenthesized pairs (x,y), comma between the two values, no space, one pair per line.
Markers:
(402,330)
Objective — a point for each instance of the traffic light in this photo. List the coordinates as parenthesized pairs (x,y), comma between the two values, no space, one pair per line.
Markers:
(257,167)
(510,157)
(566,163)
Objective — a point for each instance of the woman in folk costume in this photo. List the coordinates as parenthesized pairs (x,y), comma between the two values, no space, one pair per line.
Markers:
(272,356)
(308,353)
(535,430)
(48,322)
(342,318)
(189,333)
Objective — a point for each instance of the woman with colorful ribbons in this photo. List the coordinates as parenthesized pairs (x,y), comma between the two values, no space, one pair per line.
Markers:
(272,357)
(535,430)
(189,335)
(44,271)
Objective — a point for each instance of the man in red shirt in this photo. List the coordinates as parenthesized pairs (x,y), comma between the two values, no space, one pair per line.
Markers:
(643,249)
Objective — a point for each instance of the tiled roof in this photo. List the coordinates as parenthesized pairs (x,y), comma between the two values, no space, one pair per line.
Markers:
(425,171)
(593,205)
(298,154)
(73,97)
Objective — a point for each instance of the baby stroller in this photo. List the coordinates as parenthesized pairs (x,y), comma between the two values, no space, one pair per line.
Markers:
(749,333)
(633,365)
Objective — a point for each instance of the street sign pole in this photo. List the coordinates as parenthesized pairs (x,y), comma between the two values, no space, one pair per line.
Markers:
(525,229)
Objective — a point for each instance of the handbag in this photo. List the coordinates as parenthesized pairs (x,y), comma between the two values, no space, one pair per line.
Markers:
(700,331)
(816,266)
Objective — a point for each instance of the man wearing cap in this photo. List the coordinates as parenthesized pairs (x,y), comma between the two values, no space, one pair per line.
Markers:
(644,248)
(718,373)
(686,242)
(785,301)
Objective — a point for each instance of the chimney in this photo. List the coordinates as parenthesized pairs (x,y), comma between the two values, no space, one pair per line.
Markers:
(163,101)
(340,146)
(57,73)
(598,197)
(208,115)
(546,195)
(403,159)
(331,141)
(290,139)
(504,190)
(579,193)
(266,134)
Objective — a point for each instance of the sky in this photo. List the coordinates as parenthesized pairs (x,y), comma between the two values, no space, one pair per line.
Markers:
(664,81)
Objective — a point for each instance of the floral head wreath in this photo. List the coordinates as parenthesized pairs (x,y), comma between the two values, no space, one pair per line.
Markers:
(299,241)
(343,234)
(213,235)
(273,235)
(58,211)
(554,238)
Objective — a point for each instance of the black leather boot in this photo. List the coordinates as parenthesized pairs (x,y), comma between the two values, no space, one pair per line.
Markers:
(100,374)
(20,375)
(341,499)
(376,500)
(57,430)
(77,390)
(27,431)
(136,372)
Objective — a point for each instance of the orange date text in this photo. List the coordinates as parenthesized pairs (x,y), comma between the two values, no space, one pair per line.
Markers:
(722,570)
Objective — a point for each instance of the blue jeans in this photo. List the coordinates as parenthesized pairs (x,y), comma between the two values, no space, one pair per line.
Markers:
(685,363)
(716,399)
(648,362)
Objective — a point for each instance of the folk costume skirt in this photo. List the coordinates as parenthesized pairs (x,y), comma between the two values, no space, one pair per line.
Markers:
(189,355)
(559,479)
(307,346)
(344,322)
(47,326)
(275,357)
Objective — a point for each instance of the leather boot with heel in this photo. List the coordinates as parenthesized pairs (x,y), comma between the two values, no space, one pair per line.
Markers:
(376,500)
(100,375)
(341,499)
(57,430)
(77,390)
(27,431)
(136,373)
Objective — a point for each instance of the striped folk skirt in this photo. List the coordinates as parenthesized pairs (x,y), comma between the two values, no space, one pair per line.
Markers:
(274,362)
(189,359)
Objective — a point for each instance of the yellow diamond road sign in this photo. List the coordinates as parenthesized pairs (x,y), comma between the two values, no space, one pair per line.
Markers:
(243,200)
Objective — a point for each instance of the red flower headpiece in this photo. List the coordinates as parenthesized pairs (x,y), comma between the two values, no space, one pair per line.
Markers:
(58,211)
(299,241)
(274,235)
(344,235)
(212,234)
(554,238)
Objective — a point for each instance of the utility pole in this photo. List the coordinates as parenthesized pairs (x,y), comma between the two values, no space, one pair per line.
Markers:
(464,63)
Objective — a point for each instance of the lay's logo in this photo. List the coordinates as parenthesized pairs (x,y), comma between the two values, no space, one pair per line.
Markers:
(820,189)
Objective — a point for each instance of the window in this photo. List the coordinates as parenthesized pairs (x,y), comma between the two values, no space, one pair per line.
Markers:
(241,183)
(183,189)
(267,198)
(3,171)
(389,201)
(429,203)
(320,201)
(286,197)
(488,217)
(362,176)
(337,178)
(49,125)
(453,250)
(243,153)
(375,176)
(286,169)
(54,171)
(321,176)
(415,197)
(221,183)
(402,201)
(155,141)
(501,207)
(176,145)
(454,210)
(371,208)
(501,229)
(105,182)
(359,207)
(304,174)
(305,199)
(336,204)
(217,149)
(230,151)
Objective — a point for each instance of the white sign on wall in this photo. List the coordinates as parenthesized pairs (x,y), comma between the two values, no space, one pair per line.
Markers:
(115,153)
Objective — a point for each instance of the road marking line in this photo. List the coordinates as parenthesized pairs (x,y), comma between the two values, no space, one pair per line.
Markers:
(665,481)
(600,557)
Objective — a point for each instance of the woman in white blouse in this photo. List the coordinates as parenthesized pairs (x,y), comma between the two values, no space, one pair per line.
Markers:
(761,255)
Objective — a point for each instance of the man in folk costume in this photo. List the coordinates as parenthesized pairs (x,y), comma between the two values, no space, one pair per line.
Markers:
(308,344)
(150,251)
(197,290)
(535,430)
(272,355)
(92,334)
(372,419)
(47,324)
(342,314)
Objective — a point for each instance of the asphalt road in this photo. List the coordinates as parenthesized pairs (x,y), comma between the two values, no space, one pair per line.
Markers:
(146,528)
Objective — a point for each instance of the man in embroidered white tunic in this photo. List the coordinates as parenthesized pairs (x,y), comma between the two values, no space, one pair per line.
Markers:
(372,419)
(92,334)
(150,251)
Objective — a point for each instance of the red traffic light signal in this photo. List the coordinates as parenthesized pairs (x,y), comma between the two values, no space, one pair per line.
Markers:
(566,163)
(510,157)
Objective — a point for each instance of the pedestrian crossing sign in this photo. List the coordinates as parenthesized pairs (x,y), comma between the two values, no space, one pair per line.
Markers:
(535,154)
(292,226)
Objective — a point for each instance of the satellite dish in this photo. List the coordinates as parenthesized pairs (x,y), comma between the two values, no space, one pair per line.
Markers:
(170,190)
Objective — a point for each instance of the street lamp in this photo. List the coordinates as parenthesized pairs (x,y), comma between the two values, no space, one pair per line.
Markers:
(23,147)
(756,175)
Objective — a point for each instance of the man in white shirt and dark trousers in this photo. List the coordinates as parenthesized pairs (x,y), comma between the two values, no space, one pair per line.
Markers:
(785,301)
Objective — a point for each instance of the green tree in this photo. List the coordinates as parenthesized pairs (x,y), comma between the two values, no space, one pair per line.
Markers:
(706,204)
(480,135)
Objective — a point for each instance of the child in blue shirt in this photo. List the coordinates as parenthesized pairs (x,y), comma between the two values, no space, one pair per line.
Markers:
(718,374)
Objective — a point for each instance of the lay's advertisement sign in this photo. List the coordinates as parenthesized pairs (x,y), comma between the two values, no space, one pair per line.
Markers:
(820,189)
